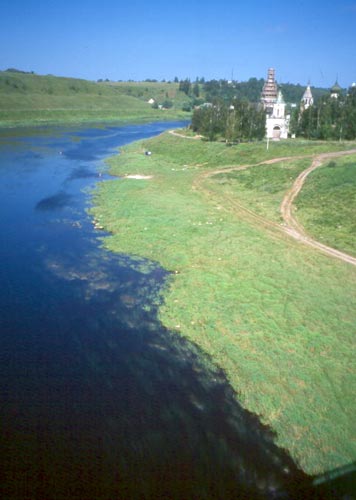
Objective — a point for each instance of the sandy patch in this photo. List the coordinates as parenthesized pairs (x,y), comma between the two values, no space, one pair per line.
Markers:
(138,176)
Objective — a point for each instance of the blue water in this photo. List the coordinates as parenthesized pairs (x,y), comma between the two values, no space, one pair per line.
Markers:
(98,400)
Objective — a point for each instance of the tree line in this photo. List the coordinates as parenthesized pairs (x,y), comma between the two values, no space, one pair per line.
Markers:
(331,118)
(236,119)
(235,122)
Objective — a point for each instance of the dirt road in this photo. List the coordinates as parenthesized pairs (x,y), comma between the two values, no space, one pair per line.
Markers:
(291,226)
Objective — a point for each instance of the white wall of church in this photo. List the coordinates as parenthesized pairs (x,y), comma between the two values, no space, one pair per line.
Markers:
(277,128)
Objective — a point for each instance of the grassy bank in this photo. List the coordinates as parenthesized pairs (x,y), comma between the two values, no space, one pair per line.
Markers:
(28,99)
(277,316)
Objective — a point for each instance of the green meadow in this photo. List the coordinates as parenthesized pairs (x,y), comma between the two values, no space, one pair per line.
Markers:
(276,315)
(327,204)
(29,99)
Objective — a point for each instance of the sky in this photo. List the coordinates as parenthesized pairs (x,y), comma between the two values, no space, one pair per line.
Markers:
(228,39)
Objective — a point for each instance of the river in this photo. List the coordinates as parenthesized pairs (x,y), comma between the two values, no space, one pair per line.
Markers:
(99,401)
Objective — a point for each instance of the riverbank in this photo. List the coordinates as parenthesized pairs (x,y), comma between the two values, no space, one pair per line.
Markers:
(276,315)
(74,118)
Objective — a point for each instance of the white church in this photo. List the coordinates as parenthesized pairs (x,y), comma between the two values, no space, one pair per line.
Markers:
(277,120)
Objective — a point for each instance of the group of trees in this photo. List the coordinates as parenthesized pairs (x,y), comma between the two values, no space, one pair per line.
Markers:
(238,121)
(330,118)
(227,90)
(189,89)
(231,111)
(251,90)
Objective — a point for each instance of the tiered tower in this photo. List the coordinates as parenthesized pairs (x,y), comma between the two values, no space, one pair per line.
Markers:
(269,91)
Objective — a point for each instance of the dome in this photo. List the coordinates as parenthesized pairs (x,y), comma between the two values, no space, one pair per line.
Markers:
(336,89)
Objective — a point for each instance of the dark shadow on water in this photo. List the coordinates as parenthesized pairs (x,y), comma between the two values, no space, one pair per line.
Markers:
(337,483)
(105,403)
(54,202)
(82,172)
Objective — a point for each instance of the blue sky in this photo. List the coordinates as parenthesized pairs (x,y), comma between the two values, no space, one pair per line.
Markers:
(136,39)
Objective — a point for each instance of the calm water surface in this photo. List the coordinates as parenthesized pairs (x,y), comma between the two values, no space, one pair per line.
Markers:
(97,399)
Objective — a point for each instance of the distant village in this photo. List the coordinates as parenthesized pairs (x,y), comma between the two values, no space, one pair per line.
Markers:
(236,119)
(277,119)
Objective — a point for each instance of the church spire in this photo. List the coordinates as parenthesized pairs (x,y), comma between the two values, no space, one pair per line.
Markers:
(307,99)
(335,90)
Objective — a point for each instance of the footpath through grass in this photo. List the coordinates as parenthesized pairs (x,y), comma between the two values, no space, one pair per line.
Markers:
(277,316)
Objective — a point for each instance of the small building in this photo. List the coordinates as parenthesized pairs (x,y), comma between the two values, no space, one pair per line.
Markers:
(151,101)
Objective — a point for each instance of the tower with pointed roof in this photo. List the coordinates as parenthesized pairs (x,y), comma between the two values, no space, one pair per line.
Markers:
(307,99)
(279,108)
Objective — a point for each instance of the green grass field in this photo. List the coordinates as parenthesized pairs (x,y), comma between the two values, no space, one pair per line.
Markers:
(261,188)
(277,316)
(327,204)
(27,99)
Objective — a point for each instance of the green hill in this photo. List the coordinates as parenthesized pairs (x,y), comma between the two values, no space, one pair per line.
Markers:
(30,99)
(26,98)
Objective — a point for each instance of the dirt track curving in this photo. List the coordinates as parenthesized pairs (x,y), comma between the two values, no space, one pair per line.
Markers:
(291,226)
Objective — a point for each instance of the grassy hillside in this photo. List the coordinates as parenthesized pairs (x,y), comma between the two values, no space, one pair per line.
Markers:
(32,99)
(277,316)
(26,98)
(160,91)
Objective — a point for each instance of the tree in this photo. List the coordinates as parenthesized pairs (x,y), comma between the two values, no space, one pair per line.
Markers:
(196,90)
(209,120)
(331,119)
(230,132)
(350,114)
(308,123)
(294,121)
(167,103)
(238,121)
(185,86)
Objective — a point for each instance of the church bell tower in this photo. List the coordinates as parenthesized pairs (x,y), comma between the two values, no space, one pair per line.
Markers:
(269,92)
